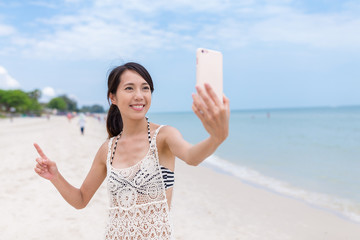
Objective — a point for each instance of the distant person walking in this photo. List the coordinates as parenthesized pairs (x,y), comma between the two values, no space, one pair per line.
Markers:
(81,123)
(69,116)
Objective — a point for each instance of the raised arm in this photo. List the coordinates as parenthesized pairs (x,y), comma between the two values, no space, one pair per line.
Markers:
(76,197)
(214,115)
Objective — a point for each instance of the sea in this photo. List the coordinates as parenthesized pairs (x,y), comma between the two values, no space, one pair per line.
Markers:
(310,154)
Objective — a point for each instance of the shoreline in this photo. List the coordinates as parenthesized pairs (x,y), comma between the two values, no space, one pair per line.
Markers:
(206,204)
(270,215)
(317,205)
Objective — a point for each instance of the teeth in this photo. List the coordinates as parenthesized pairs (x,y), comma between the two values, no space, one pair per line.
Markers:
(138,106)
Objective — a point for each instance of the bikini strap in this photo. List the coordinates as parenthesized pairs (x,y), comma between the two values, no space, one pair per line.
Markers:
(109,150)
(113,153)
(153,140)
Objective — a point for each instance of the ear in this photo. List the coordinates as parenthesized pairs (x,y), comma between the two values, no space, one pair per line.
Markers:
(112,98)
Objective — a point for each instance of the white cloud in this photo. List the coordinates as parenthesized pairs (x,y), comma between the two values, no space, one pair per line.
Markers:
(6,30)
(174,5)
(99,35)
(6,81)
(44,4)
(73,97)
(321,31)
(48,92)
(72,1)
(111,29)
(283,24)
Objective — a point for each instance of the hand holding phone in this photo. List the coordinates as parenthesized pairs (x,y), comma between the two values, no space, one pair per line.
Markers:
(213,113)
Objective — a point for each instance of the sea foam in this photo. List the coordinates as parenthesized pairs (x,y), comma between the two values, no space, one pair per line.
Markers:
(339,206)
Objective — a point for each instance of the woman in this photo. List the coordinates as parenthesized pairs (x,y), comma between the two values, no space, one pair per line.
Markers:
(138,159)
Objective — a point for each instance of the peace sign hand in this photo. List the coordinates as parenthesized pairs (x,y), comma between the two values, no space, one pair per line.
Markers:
(213,113)
(45,167)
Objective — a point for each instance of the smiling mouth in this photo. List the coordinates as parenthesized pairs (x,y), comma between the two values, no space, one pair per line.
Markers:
(137,107)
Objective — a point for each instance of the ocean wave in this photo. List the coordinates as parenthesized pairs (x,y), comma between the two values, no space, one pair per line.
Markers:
(340,206)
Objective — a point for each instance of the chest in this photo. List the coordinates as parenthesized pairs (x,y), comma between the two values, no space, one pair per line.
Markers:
(130,152)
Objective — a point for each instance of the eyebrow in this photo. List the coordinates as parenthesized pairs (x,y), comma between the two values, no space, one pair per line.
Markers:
(126,84)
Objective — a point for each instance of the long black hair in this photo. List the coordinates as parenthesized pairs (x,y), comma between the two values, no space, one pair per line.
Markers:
(114,123)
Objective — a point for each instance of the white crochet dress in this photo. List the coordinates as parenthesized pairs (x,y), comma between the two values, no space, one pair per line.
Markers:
(138,204)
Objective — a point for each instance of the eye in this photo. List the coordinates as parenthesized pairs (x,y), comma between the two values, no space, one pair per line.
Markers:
(128,88)
(146,88)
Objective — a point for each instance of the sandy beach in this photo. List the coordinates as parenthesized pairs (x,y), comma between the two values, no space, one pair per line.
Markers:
(206,204)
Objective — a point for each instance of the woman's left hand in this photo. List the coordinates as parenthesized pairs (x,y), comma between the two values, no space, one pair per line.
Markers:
(213,113)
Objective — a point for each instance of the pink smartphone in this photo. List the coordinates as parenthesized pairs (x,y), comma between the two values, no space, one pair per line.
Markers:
(209,69)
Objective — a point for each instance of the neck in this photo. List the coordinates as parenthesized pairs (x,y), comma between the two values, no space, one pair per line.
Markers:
(134,127)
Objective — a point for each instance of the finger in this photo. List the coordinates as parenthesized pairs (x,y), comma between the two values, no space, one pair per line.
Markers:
(38,170)
(226,100)
(199,104)
(40,151)
(40,167)
(197,112)
(212,94)
(204,96)
(226,103)
(41,162)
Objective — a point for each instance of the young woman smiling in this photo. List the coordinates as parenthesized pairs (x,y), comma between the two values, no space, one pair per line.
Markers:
(137,161)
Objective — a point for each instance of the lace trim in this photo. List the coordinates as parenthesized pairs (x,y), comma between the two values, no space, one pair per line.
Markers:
(138,205)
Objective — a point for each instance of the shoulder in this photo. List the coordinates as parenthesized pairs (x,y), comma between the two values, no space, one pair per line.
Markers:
(103,151)
(165,138)
(164,130)
(105,145)
(167,133)
(169,130)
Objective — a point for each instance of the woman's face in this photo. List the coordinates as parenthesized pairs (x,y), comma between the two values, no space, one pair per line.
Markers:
(133,95)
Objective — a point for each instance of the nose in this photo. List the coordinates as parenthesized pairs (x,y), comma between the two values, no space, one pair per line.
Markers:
(138,95)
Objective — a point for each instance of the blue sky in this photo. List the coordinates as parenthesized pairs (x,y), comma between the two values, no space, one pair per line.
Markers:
(279,53)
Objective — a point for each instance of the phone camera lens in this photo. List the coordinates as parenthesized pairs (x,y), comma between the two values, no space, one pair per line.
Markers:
(202,51)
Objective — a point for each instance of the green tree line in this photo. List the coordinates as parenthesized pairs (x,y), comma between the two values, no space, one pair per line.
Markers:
(18,101)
